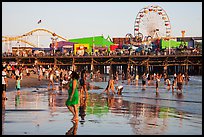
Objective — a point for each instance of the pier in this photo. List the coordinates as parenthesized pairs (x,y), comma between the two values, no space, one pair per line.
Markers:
(192,64)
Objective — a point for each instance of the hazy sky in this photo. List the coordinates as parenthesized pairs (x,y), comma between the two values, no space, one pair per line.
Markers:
(85,19)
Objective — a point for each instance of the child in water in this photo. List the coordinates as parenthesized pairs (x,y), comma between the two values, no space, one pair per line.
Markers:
(120,89)
(18,84)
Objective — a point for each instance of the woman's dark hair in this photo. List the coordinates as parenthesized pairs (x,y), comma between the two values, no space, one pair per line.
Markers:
(17,77)
(82,73)
(75,75)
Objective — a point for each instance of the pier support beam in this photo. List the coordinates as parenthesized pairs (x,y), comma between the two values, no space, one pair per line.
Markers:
(186,61)
(136,67)
(55,62)
(128,70)
(111,70)
(92,66)
(147,67)
(73,65)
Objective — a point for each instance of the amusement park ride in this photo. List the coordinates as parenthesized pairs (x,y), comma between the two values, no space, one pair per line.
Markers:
(151,23)
(20,38)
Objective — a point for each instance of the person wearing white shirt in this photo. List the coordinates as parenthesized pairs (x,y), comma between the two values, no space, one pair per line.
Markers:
(4,83)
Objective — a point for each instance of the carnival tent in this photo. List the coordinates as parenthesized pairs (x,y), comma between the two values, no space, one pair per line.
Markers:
(96,41)
(171,44)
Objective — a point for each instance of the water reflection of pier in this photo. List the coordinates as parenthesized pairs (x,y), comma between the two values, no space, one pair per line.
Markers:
(143,118)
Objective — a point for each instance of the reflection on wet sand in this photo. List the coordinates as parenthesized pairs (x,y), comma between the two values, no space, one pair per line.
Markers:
(82,109)
(52,101)
(143,118)
(73,129)
(17,100)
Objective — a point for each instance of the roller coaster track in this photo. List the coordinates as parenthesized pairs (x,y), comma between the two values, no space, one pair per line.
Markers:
(18,38)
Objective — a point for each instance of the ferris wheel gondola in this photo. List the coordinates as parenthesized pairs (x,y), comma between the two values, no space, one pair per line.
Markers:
(152,22)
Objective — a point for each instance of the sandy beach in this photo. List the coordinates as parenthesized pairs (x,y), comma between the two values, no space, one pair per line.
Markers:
(27,82)
(135,112)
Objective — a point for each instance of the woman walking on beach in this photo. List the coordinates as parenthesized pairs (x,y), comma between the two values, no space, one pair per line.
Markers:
(83,84)
(73,96)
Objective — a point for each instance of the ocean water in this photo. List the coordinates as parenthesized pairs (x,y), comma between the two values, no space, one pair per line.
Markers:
(135,112)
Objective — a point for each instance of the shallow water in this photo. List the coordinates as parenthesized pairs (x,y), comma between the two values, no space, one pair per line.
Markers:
(135,112)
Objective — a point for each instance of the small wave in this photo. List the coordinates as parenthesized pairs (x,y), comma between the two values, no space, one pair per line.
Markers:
(196,78)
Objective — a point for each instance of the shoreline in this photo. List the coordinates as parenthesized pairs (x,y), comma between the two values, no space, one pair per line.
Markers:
(26,82)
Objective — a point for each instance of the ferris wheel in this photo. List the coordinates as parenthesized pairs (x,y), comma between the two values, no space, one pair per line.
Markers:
(152,22)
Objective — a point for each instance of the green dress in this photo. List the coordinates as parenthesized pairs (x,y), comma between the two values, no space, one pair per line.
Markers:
(75,98)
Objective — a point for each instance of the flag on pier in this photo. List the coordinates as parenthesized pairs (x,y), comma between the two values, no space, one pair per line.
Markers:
(39,21)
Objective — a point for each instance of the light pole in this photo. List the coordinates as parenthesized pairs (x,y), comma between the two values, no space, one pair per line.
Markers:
(93,45)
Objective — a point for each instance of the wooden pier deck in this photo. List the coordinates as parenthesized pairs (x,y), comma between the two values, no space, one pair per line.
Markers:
(148,62)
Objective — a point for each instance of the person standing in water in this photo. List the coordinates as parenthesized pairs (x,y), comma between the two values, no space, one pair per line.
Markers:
(168,83)
(51,80)
(157,83)
(110,86)
(18,84)
(73,96)
(136,79)
(82,82)
(4,83)
(144,81)
(179,80)
(187,78)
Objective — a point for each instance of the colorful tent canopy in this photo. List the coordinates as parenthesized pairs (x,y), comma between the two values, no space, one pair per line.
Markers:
(97,41)
(171,44)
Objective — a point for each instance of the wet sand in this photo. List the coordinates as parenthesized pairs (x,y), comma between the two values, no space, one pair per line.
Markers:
(27,82)
(135,112)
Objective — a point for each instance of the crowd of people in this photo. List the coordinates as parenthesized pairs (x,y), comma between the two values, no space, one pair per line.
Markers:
(77,83)
(121,52)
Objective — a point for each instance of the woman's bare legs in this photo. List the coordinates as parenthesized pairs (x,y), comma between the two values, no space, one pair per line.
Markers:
(76,113)
(71,110)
